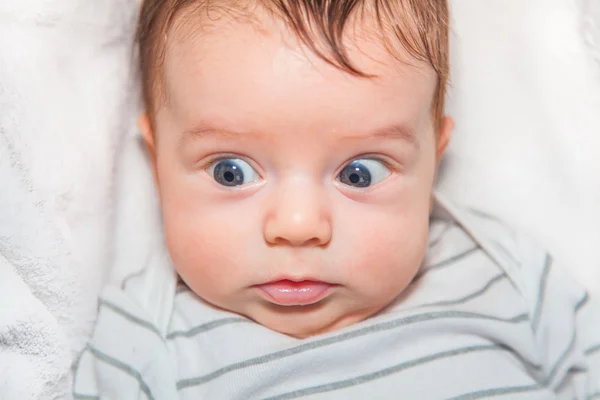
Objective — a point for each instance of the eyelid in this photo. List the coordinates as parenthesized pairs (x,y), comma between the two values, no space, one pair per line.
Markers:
(370,156)
(207,161)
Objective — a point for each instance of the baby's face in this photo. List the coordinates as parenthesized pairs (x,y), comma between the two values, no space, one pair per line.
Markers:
(292,192)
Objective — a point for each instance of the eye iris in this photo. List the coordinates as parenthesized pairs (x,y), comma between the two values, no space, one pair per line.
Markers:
(356,174)
(228,173)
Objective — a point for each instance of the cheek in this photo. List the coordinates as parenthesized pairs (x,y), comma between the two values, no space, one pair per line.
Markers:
(210,242)
(198,250)
(384,249)
(390,251)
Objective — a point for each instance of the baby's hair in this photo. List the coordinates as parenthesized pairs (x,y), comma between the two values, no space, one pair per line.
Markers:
(419,26)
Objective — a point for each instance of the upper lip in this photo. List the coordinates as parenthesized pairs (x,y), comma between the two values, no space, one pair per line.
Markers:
(295,280)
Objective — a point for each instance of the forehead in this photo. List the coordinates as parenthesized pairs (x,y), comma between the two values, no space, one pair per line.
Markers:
(234,68)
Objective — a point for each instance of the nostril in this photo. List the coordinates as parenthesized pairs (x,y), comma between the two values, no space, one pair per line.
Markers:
(281,241)
(312,242)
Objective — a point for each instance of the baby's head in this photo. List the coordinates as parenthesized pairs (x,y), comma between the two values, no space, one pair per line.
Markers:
(295,145)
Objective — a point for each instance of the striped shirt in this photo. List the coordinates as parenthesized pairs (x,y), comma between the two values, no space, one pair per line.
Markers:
(489,315)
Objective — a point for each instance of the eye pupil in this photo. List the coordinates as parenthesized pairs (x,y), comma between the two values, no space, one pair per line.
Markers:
(354,178)
(229,177)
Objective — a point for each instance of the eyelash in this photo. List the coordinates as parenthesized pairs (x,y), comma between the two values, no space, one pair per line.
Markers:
(376,157)
(392,166)
(207,162)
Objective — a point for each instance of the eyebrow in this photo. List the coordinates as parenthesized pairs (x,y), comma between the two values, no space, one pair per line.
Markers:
(203,130)
(394,131)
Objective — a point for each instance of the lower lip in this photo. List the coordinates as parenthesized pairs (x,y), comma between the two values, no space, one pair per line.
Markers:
(289,293)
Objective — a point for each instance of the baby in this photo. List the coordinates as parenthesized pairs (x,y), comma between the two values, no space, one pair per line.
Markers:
(295,145)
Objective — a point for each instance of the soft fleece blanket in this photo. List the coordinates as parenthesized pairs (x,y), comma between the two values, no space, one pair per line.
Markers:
(65,105)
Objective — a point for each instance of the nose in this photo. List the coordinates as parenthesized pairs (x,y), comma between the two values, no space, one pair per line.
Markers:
(298,217)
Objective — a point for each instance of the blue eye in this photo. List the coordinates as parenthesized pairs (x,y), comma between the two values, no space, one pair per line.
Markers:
(233,172)
(364,173)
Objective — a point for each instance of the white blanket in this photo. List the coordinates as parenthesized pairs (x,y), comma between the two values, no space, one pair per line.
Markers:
(76,195)
(65,103)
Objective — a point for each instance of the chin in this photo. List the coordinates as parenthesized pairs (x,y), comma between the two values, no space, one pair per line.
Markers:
(300,330)
(304,322)
(298,322)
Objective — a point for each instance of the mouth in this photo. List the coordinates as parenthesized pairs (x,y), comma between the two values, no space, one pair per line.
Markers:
(286,292)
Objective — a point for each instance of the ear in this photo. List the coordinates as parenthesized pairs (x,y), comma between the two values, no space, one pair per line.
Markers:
(443,137)
(145,127)
(442,140)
